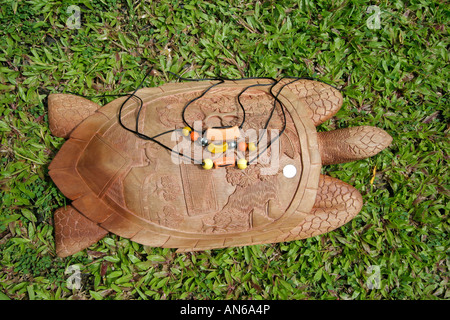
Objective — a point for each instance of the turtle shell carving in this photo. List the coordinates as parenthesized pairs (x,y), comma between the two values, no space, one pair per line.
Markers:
(136,189)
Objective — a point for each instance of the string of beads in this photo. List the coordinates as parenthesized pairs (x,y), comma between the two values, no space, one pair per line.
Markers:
(202,137)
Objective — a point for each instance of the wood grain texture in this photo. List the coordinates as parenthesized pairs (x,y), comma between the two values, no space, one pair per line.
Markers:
(138,190)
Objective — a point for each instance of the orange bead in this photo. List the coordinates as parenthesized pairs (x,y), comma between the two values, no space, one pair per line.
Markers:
(194,136)
(224,162)
(242,146)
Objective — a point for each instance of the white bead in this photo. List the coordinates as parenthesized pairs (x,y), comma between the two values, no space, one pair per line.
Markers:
(289,171)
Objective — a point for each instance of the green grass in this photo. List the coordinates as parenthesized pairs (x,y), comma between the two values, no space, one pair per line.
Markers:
(394,77)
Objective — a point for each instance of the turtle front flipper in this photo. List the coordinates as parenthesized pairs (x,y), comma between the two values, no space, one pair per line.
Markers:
(336,204)
(351,144)
(322,99)
(74,232)
(66,111)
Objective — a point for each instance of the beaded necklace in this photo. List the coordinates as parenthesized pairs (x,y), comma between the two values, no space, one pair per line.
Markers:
(226,135)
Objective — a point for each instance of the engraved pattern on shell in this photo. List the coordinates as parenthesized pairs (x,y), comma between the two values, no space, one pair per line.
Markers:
(168,188)
(170,217)
(249,176)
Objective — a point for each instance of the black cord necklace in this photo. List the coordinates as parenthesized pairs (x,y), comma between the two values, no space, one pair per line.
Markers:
(199,136)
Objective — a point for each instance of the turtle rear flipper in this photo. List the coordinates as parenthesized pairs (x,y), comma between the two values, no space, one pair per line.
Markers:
(351,144)
(74,232)
(66,111)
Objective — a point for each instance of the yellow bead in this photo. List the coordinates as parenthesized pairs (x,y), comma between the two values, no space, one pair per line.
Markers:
(186,131)
(251,146)
(207,164)
(217,148)
(242,163)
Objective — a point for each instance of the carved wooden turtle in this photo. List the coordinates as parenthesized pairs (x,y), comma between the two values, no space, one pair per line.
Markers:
(122,184)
